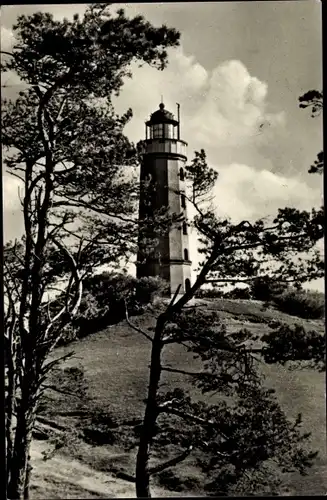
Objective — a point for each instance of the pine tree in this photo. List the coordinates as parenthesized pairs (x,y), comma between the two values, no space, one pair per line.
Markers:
(67,147)
(246,439)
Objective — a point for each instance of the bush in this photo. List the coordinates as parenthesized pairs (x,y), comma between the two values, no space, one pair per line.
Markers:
(306,304)
(100,429)
(173,481)
(238,293)
(209,293)
(266,288)
(170,480)
(103,302)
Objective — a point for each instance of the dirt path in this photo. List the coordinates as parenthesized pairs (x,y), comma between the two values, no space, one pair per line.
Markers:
(61,478)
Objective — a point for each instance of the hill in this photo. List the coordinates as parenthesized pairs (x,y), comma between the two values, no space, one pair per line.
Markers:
(115,365)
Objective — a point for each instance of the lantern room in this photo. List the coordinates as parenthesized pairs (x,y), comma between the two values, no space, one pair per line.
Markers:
(162,125)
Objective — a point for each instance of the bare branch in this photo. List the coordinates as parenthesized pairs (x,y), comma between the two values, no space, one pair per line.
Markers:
(171,462)
(54,388)
(134,326)
(185,372)
(174,297)
(188,416)
(7,53)
(16,175)
(75,274)
(48,366)
(82,203)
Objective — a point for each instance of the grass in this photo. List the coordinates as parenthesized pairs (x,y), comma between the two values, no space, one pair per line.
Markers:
(115,362)
(54,489)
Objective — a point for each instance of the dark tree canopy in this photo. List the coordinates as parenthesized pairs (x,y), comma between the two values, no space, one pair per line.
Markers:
(313,99)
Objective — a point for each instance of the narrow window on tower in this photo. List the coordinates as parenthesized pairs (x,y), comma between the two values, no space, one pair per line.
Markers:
(185,254)
(184,228)
(181,174)
(183,202)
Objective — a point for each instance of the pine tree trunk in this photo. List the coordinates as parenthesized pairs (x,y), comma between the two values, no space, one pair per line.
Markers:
(19,467)
(150,417)
(10,403)
(27,479)
(142,471)
(10,407)
(143,455)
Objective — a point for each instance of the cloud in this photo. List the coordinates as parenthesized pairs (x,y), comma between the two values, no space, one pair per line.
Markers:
(10,189)
(243,193)
(12,215)
(225,107)
(7,39)
(182,81)
(234,108)
(10,81)
(222,107)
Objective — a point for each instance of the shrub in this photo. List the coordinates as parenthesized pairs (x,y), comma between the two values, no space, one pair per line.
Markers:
(103,302)
(170,480)
(238,293)
(98,434)
(147,289)
(173,481)
(209,293)
(99,429)
(306,304)
(266,288)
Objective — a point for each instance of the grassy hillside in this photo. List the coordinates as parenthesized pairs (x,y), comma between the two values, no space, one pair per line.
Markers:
(115,362)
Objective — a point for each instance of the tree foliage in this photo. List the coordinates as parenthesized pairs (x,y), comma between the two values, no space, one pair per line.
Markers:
(307,304)
(66,145)
(243,442)
(104,299)
(313,99)
(266,288)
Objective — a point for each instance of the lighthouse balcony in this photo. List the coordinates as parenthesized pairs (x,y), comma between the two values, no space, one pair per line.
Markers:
(170,146)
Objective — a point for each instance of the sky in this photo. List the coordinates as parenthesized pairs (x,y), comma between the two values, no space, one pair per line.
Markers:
(237,75)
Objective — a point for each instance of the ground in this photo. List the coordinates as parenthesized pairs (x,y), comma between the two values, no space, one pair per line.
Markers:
(62,477)
(115,362)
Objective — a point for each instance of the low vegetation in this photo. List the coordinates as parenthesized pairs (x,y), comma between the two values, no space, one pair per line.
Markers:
(306,304)
(104,301)
(109,414)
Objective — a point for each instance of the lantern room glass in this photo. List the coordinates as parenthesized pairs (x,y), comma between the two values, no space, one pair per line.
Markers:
(163,131)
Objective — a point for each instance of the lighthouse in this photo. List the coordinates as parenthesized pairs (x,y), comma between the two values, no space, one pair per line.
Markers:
(163,158)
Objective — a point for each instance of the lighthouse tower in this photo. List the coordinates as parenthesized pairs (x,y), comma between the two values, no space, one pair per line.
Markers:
(163,156)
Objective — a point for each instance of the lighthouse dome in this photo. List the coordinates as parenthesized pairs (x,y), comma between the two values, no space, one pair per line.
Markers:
(162,116)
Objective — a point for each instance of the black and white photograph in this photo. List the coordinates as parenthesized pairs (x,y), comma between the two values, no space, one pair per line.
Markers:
(163,250)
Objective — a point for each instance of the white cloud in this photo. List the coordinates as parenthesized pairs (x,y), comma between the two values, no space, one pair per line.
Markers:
(7,39)
(12,214)
(223,107)
(182,81)
(233,109)
(11,187)
(243,193)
